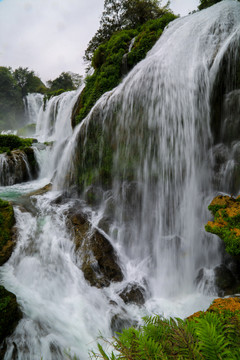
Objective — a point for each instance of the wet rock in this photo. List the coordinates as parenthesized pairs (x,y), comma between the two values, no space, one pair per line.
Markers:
(224,280)
(7,231)
(121,321)
(10,316)
(93,195)
(41,191)
(133,294)
(18,166)
(99,261)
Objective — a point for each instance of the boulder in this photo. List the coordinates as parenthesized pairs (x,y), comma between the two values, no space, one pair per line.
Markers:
(224,280)
(7,231)
(18,166)
(121,321)
(133,293)
(99,261)
(10,316)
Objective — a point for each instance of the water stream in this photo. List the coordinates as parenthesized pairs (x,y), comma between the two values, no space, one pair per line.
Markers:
(158,123)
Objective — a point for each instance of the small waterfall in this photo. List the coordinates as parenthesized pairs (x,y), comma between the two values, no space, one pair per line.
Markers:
(33,103)
(54,125)
(14,168)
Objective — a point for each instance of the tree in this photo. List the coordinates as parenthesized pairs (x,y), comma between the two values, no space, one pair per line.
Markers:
(207,3)
(11,105)
(27,81)
(65,81)
(125,14)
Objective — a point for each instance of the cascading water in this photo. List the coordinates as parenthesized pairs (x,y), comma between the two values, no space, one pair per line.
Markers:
(153,164)
(33,103)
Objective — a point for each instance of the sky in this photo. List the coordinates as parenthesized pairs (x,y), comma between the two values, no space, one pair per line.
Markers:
(50,36)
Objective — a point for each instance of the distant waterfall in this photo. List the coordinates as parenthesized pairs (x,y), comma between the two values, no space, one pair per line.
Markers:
(33,104)
(157,124)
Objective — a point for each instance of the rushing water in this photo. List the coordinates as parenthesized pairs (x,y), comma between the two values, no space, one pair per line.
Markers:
(158,123)
(33,104)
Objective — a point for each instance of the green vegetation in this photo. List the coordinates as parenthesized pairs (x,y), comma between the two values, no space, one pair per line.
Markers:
(207,3)
(7,220)
(64,82)
(13,142)
(123,14)
(11,105)
(14,85)
(210,335)
(10,313)
(226,224)
(107,61)
(96,158)
(28,82)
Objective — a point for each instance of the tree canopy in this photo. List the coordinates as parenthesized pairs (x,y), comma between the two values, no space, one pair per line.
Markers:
(28,81)
(65,81)
(123,14)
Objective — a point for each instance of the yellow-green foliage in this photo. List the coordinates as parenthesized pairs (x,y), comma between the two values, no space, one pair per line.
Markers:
(226,224)
(210,335)
(7,221)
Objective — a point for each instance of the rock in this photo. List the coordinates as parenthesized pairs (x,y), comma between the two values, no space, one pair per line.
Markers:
(7,231)
(121,321)
(18,166)
(10,316)
(224,280)
(41,191)
(133,294)
(99,261)
(226,224)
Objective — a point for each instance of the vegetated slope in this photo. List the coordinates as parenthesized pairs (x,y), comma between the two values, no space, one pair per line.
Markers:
(112,60)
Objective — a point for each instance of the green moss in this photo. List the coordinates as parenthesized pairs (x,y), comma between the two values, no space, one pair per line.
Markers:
(10,313)
(7,221)
(226,224)
(214,208)
(96,154)
(13,142)
(107,61)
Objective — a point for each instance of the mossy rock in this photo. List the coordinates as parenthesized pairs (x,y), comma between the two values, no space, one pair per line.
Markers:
(99,261)
(220,305)
(10,315)
(226,224)
(7,231)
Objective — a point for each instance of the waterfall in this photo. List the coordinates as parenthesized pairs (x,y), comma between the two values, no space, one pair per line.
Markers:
(33,103)
(146,156)
(157,125)
(14,168)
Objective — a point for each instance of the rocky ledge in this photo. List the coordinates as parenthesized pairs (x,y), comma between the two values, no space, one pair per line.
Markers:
(226,223)
(98,259)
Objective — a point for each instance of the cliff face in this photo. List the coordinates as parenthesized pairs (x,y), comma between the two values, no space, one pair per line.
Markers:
(10,312)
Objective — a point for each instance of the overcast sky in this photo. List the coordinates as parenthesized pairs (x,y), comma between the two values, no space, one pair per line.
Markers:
(50,36)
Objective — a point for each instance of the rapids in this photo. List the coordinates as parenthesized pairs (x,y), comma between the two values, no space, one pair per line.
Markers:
(159,119)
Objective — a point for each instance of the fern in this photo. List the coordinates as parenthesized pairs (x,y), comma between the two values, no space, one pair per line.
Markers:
(211,334)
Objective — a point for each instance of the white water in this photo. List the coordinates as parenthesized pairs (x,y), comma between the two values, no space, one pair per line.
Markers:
(33,103)
(163,122)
